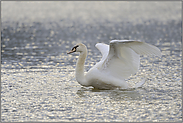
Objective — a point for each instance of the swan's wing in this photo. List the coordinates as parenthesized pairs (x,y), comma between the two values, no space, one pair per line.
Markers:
(124,57)
(104,49)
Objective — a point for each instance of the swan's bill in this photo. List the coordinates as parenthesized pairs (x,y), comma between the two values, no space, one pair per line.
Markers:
(71,52)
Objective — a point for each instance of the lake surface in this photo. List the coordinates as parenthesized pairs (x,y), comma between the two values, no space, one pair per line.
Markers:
(38,77)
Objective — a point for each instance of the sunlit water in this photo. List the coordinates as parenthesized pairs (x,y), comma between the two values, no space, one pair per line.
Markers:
(37,76)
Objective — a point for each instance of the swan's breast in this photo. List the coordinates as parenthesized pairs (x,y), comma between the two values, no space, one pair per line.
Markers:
(99,80)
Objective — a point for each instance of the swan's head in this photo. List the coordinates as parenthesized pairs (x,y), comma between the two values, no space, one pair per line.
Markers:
(78,48)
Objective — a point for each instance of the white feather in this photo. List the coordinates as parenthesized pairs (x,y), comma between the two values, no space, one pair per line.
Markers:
(123,58)
(104,49)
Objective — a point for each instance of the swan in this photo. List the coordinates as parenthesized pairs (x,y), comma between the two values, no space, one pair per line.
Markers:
(120,59)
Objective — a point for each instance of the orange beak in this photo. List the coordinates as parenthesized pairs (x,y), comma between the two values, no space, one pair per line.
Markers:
(70,52)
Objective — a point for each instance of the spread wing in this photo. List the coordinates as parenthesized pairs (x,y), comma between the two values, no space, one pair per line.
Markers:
(123,58)
(104,49)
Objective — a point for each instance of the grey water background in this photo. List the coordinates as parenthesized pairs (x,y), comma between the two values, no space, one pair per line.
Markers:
(37,76)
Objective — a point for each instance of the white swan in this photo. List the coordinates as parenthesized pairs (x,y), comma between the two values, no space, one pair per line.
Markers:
(119,60)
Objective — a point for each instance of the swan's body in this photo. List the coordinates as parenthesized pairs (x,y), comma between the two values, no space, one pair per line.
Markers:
(119,60)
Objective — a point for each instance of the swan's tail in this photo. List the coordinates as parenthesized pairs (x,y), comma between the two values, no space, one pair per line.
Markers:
(139,84)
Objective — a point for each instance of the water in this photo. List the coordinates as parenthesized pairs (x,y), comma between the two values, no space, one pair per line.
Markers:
(37,76)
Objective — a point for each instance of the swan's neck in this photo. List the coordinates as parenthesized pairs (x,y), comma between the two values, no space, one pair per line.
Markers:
(80,77)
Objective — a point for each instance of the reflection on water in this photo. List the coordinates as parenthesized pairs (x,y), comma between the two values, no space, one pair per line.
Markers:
(113,94)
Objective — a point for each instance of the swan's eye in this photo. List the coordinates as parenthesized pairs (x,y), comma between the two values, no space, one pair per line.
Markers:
(74,48)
